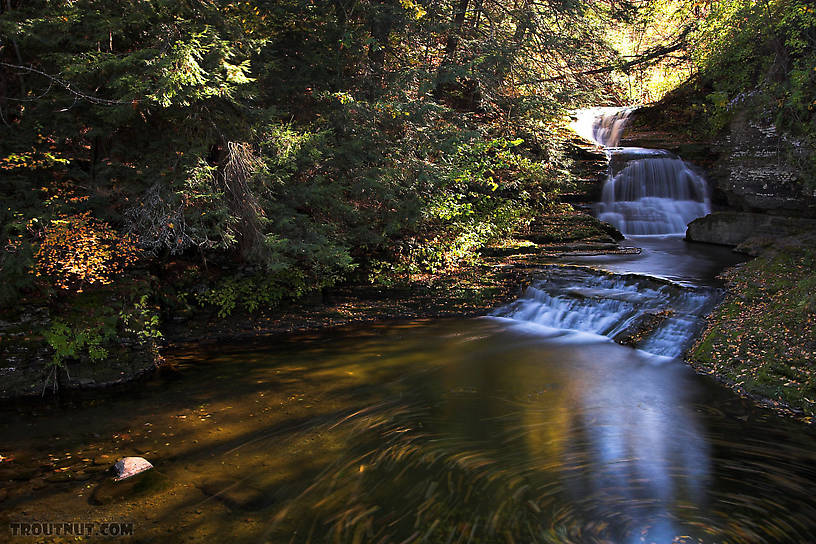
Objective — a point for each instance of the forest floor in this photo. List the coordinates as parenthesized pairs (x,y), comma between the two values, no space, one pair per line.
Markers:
(761,341)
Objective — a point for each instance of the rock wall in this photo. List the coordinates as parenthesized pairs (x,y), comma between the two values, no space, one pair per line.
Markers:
(755,173)
(733,228)
(757,168)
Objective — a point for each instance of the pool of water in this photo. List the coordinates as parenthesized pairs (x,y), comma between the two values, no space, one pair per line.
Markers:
(472,430)
(669,257)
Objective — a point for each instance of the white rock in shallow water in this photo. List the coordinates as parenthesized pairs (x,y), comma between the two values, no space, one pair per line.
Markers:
(130,466)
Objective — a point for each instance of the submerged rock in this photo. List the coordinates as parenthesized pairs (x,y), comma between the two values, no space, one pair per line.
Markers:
(641,327)
(237,495)
(130,466)
(146,483)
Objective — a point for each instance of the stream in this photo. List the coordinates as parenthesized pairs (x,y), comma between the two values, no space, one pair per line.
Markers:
(527,425)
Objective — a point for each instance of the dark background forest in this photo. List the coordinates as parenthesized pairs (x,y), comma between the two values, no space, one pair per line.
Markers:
(162,156)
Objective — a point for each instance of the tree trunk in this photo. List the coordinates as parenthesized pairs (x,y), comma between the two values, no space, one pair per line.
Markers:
(460,10)
(382,21)
(445,77)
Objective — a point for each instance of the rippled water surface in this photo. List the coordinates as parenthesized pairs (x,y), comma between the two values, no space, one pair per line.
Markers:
(528,426)
(447,431)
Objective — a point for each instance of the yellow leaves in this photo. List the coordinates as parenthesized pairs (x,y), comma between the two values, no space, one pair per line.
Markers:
(31,160)
(415,9)
(78,250)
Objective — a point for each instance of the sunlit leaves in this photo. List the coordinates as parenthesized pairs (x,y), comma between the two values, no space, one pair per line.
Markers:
(78,251)
(198,68)
(414,8)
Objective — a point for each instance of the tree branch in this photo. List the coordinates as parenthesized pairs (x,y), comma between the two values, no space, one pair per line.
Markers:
(648,56)
(78,95)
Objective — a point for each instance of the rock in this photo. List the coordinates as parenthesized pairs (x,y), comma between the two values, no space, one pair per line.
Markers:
(755,245)
(130,466)
(146,483)
(750,164)
(641,327)
(734,228)
(236,495)
(760,169)
(3,494)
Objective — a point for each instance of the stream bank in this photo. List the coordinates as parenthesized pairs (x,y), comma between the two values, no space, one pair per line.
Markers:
(496,277)
(759,341)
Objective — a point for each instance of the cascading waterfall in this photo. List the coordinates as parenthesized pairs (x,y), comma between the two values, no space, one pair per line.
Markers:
(654,192)
(648,191)
(577,299)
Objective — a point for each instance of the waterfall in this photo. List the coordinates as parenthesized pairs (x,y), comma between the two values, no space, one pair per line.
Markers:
(603,126)
(647,191)
(661,317)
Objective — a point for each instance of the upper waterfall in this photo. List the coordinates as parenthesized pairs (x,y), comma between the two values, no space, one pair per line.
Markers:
(602,125)
(647,191)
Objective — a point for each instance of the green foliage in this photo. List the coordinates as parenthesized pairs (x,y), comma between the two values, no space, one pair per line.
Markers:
(141,321)
(763,54)
(251,293)
(71,342)
(94,322)
(16,258)
(307,145)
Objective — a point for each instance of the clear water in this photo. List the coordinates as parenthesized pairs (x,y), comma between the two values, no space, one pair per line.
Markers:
(475,430)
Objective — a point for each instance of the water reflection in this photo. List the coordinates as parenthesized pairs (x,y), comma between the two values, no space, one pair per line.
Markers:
(550,442)
(669,257)
(450,431)
(614,429)
(647,455)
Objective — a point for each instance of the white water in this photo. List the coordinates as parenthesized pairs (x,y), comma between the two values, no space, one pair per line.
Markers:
(577,299)
(603,126)
(648,191)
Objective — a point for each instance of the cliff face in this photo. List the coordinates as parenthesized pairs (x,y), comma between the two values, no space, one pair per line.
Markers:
(755,173)
(758,168)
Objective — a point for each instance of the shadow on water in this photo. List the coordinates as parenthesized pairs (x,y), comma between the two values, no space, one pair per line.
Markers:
(449,431)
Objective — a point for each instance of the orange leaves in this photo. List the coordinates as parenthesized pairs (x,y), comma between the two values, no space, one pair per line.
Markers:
(61,192)
(79,250)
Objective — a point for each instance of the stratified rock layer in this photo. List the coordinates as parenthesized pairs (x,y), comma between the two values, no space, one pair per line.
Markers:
(733,228)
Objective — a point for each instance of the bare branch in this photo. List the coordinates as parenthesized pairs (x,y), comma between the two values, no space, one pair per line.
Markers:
(78,95)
